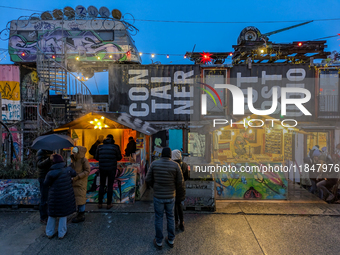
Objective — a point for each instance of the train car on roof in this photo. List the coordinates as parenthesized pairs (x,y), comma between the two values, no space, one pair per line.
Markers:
(77,42)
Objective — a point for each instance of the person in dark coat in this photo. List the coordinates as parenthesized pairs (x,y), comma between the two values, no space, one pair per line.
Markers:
(61,200)
(166,178)
(107,154)
(43,163)
(131,147)
(327,178)
(177,157)
(94,147)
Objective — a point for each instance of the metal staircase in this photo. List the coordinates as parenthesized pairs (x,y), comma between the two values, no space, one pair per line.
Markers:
(57,79)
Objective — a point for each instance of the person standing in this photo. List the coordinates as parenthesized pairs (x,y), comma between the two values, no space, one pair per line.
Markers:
(177,157)
(131,147)
(94,147)
(43,163)
(107,154)
(166,178)
(82,167)
(61,201)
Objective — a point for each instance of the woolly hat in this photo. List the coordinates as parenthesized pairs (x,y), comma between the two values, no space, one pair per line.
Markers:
(166,152)
(57,159)
(176,155)
(316,153)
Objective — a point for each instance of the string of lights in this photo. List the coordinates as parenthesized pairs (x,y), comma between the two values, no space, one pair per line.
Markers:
(199,22)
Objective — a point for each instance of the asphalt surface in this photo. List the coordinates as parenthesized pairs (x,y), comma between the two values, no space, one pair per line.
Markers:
(205,233)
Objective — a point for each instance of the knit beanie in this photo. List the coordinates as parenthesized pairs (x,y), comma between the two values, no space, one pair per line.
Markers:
(166,152)
(57,159)
(176,155)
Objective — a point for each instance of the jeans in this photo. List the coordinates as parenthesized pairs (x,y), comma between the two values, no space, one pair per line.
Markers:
(179,212)
(81,208)
(111,178)
(62,228)
(160,206)
(43,199)
(322,187)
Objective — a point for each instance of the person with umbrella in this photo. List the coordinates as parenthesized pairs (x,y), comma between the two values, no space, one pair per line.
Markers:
(82,167)
(43,163)
(61,200)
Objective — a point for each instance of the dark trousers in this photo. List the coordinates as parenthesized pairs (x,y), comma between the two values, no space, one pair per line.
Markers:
(43,199)
(110,175)
(179,212)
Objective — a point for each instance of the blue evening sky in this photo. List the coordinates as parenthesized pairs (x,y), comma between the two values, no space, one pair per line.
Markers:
(178,38)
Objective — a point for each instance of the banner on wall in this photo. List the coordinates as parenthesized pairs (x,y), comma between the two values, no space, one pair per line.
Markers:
(154,92)
(10,92)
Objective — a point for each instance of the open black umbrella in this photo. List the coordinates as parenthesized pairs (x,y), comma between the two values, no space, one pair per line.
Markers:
(52,142)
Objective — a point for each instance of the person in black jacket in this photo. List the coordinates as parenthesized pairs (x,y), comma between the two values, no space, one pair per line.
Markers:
(43,163)
(94,147)
(177,157)
(166,178)
(61,201)
(107,154)
(130,148)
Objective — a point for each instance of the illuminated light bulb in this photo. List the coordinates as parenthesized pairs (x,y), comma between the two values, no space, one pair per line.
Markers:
(77,58)
(98,57)
(95,127)
(99,124)
(219,133)
(91,122)
(87,78)
(110,56)
(167,56)
(106,126)
(250,131)
(185,56)
(152,55)
(78,77)
(23,54)
(140,53)
(53,56)
(222,128)
(128,53)
(100,127)
(230,54)
(95,120)
(102,117)
(300,44)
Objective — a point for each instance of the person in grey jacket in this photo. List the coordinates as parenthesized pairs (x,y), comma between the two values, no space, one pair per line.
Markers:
(166,178)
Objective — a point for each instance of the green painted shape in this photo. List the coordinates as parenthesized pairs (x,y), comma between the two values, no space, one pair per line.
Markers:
(209,95)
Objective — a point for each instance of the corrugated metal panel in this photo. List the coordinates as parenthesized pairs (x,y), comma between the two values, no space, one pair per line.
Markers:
(262,78)
(153,92)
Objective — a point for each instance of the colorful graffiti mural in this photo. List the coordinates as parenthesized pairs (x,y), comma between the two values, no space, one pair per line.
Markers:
(124,187)
(10,92)
(247,185)
(19,192)
(87,43)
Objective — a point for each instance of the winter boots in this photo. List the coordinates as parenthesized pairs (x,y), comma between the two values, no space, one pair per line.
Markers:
(79,218)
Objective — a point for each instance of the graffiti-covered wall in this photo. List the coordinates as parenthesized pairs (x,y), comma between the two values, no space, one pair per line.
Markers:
(19,192)
(10,92)
(86,40)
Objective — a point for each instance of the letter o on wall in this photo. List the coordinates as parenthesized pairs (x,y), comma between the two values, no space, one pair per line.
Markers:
(140,90)
(300,74)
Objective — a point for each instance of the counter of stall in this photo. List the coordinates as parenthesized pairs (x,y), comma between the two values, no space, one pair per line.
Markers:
(90,130)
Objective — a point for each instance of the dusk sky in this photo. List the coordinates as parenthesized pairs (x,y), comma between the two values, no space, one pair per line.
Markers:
(178,38)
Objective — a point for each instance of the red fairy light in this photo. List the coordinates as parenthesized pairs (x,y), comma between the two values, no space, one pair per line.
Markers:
(128,53)
(23,54)
(300,44)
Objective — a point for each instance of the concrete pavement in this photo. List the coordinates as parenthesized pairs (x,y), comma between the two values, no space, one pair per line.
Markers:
(242,228)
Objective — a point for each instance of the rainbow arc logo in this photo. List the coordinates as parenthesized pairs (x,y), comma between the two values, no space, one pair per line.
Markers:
(204,97)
